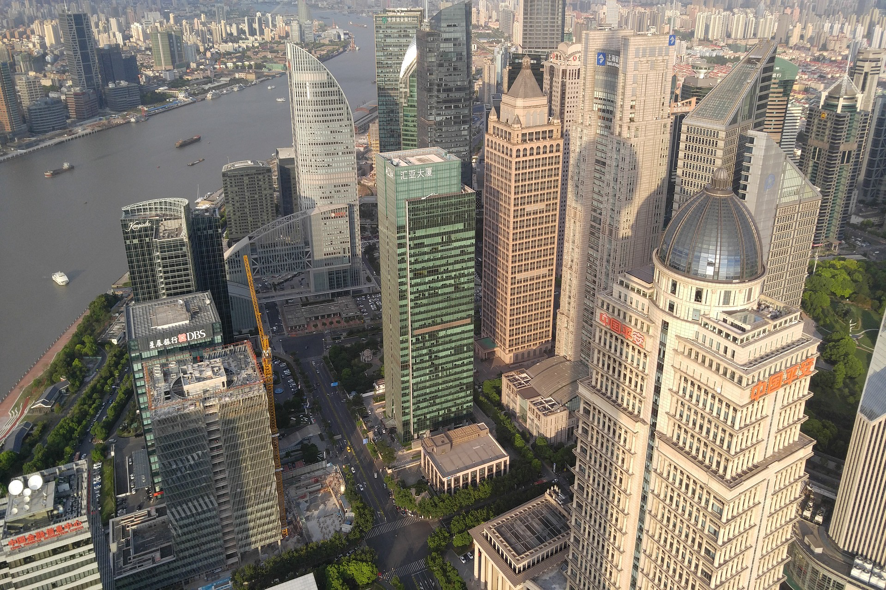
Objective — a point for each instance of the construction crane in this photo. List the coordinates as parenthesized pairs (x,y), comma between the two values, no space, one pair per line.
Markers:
(268,374)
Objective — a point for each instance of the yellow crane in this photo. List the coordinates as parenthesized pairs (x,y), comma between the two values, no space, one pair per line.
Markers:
(268,374)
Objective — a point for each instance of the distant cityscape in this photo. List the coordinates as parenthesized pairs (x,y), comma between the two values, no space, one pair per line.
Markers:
(587,298)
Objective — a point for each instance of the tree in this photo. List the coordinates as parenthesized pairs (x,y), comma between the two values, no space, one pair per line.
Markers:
(362,572)
(282,416)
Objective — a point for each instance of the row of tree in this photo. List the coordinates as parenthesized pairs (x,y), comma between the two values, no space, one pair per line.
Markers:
(103,429)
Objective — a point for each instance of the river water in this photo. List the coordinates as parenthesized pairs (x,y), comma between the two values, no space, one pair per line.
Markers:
(72,222)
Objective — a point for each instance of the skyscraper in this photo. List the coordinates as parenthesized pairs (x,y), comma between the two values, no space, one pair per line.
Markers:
(286,181)
(521,207)
(249,196)
(542,25)
(213,437)
(617,173)
(115,67)
(426,221)
(873,182)
(738,103)
(167,47)
(30,89)
(82,58)
(168,255)
(694,421)
(831,152)
(784,74)
(394,32)
(11,121)
(865,73)
(325,158)
(784,204)
(408,95)
(445,90)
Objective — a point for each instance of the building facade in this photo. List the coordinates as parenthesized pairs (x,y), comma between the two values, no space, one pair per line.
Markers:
(249,196)
(47,114)
(693,410)
(444,88)
(408,95)
(286,181)
(80,53)
(617,173)
(541,25)
(12,122)
(394,32)
(784,74)
(872,186)
(426,222)
(462,457)
(167,48)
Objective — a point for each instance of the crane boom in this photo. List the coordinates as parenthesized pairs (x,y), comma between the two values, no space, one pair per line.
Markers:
(268,374)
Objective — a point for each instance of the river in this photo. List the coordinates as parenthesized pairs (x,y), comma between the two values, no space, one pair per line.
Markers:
(72,222)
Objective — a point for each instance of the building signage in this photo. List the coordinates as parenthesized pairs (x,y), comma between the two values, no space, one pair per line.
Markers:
(608,59)
(782,379)
(672,40)
(138,225)
(182,338)
(420,173)
(623,329)
(47,534)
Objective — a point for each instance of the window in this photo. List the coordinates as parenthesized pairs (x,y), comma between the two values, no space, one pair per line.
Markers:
(673,287)
(671,306)
(699,295)
(727,297)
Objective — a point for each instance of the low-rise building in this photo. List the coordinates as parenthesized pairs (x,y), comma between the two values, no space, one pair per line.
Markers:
(305,582)
(49,398)
(318,317)
(15,438)
(524,547)
(142,552)
(461,457)
(544,396)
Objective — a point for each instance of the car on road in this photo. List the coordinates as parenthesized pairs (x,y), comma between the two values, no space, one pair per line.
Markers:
(461,558)
(353,469)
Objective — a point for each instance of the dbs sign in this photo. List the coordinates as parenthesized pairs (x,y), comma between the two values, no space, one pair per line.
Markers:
(623,329)
(782,379)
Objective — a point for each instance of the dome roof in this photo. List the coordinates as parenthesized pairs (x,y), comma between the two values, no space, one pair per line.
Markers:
(713,236)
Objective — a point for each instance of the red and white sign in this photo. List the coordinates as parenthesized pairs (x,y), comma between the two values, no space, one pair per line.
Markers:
(623,329)
(782,379)
(47,534)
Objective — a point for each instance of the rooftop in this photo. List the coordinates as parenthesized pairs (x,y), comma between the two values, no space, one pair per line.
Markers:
(14,439)
(305,582)
(419,157)
(140,540)
(50,394)
(462,449)
(244,164)
(170,315)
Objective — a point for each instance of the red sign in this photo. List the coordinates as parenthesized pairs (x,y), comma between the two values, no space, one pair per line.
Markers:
(622,329)
(782,379)
(52,532)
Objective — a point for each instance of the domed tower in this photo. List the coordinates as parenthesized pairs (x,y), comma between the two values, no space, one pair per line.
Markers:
(698,383)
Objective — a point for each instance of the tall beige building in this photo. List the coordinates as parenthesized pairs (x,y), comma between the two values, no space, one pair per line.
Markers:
(249,197)
(521,205)
(690,459)
(618,168)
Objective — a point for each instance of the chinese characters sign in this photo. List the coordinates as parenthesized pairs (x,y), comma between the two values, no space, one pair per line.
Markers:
(782,379)
(412,174)
(180,339)
(623,329)
(47,534)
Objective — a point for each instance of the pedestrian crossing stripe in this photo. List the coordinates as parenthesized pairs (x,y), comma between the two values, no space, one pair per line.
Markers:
(406,570)
(390,526)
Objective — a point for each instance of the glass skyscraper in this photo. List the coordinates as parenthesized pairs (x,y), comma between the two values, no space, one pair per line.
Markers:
(541,25)
(407,100)
(394,33)
(445,91)
(82,57)
(426,242)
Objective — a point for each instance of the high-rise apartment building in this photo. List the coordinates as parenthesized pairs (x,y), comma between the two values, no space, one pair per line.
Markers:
(711,134)
(164,327)
(394,32)
(249,196)
(326,161)
(784,74)
(11,121)
(691,415)
(617,173)
(784,204)
(82,58)
(541,25)
(444,88)
(562,86)
(865,73)
(29,88)
(213,437)
(169,254)
(426,222)
(167,48)
(521,207)
(831,150)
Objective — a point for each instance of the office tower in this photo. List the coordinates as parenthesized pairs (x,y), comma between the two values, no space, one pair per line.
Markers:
(82,104)
(115,67)
(394,33)
(694,421)
(445,91)
(791,129)
(490,83)
(29,89)
(697,87)
(678,111)
(167,48)
(784,74)
(865,73)
(168,256)
(542,25)
(122,96)
(506,22)
(326,162)
(426,222)
(408,95)
(52,531)
(521,207)
(286,181)
(872,187)
(188,323)
(831,150)
(784,205)
(617,173)
(249,196)
(11,121)
(304,12)
(80,51)
(47,114)
(514,65)
(213,436)
(738,103)
(562,85)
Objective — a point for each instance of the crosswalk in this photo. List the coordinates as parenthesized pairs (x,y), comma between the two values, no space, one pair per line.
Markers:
(390,526)
(405,570)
